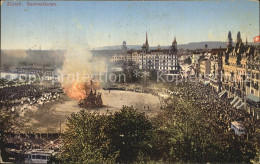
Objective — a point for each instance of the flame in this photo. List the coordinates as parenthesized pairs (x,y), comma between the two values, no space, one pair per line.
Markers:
(76,90)
(79,90)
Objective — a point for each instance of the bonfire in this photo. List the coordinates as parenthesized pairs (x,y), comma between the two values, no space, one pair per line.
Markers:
(84,93)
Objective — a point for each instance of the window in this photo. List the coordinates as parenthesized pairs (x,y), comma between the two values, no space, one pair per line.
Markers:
(38,156)
(43,157)
(33,157)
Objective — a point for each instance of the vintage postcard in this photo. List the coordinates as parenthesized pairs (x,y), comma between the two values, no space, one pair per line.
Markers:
(130,81)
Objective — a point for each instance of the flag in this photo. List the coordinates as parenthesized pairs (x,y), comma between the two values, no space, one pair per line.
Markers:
(257,39)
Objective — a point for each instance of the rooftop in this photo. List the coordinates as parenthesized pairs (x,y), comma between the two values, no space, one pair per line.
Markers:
(238,124)
(40,151)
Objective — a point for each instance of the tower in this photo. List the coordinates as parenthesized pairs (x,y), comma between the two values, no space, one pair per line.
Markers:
(174,46)
(239,48)
(206,46)
(124,48)
(229,39)
(246,42)
(239,37)
(145,46)
(173,53)
(229,48)
(146,42)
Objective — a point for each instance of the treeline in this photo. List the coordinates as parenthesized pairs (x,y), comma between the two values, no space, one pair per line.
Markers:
(128,136)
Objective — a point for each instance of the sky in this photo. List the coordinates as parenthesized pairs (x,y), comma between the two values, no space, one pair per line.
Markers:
(97,24)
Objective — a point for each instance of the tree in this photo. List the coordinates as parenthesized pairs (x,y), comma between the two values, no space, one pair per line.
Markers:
(130,133)
(133,75)
(188,61)
(153,75)
(94,138)
(85,140)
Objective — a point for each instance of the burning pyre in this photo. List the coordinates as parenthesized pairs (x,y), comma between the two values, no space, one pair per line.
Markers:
(83,92)
(92,100)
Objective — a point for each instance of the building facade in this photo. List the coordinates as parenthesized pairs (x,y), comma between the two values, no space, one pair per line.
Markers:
(165,60)
(240,75)
(234,73)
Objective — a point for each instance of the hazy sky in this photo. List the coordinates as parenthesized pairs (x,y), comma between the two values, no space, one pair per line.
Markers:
(98,24)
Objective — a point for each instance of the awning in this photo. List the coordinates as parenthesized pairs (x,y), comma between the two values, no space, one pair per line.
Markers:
(253,98)
(214,80)
(241,106)
(237,103)
(206,83)
(221,94)
(234,100)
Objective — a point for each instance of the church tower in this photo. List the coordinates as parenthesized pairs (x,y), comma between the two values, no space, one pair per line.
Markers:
(145,46)
(146,42)
(229,39)
(174,46)
(239,37)
(229,48)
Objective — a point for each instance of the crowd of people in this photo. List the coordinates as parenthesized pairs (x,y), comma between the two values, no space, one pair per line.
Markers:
(30,140)
(219,110)
(20,97)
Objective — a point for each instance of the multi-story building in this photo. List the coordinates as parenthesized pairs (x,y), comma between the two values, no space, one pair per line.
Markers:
(234,73)
(214,67)
(240,75)
(205,68)
(165,60)
(135,57)
(195,57)
(159,60)
(118,58)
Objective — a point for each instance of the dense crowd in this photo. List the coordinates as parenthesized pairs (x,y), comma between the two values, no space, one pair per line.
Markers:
(219,110)
(26,141)
(17,94)
(20,97)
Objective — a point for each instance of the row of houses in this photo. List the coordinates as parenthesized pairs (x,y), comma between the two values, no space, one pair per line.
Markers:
(234,73)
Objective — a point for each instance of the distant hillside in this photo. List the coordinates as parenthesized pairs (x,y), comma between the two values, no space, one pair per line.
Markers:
(191,46)
(116,47)
(201,45)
